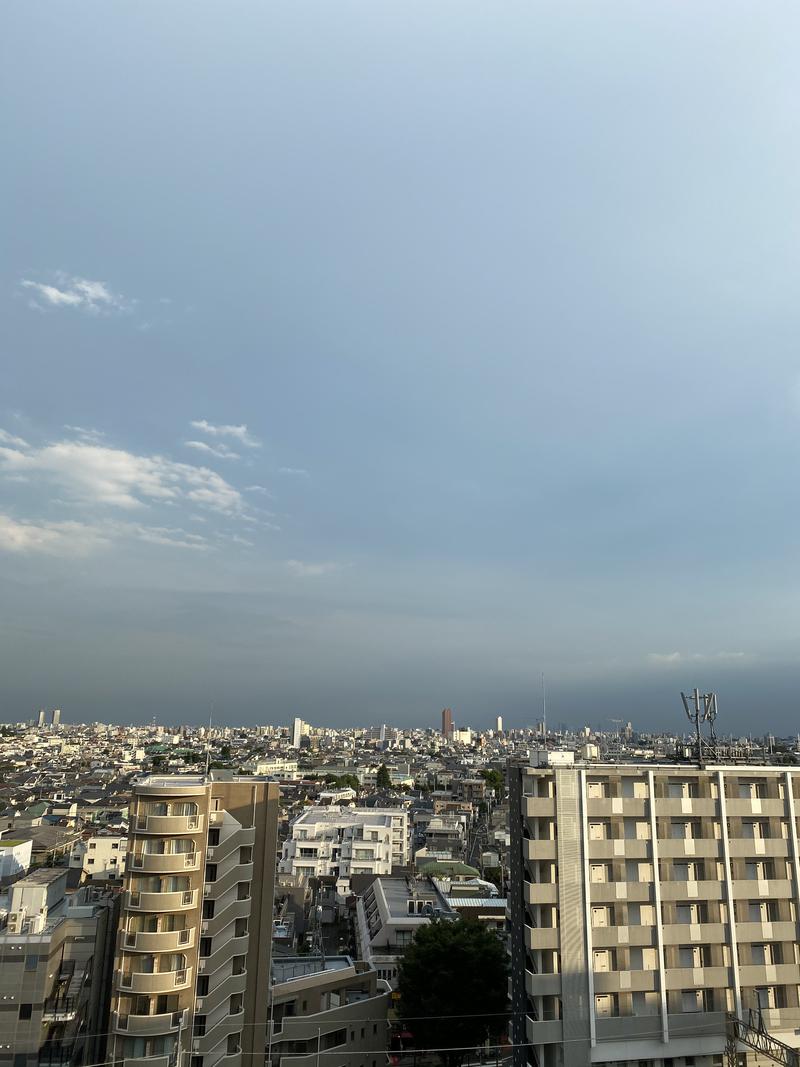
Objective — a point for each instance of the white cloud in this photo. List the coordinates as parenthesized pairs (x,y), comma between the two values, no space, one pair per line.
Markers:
(95,436)
(70,291)
(167,535)
(663,658)
(220,451)
(50,538)
(91,473)
(239,433)
(310,570)
(258,489)
(298,472)
(7,438)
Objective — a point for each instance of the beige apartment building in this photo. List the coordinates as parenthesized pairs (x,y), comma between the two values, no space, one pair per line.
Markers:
(646,902)
(193,953)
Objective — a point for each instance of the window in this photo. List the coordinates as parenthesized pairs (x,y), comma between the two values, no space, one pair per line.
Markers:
(205,946)
(208,909)
(213,837)
(199,1026)
(31,963)
(25,1011)
(211,872)
(202,985)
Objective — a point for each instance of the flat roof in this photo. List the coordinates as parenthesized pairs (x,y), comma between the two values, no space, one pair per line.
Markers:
(285,968)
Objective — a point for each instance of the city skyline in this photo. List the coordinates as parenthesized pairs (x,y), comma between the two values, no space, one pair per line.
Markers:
(362,363)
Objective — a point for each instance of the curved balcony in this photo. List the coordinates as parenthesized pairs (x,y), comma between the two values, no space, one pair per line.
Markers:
(222,990)
(221,1031)
(147,1025)
(153,941)
(183,900)
(237,909)
(166,825)
(149,982)
(234,946)
(163,863)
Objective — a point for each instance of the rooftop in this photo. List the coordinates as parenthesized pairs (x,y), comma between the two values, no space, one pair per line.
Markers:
(285,968)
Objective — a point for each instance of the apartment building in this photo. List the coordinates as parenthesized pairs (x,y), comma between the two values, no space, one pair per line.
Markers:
(334,1008)
(388,913)
(193,952)
(645,903)
(100,857)
(57,951)
(340,842)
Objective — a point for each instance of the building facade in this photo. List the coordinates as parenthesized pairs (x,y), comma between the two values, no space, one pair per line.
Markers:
(333,1008)
(100,857)
(193,952)
(57,952)
(646,902)
(340,842)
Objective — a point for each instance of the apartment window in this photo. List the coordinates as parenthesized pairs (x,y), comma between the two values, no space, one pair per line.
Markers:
(202,985)
(31,963)
(114,848)
(92,845)
(211,872)
(196,1061)
(205,946)
(208,908)
(245,854)
(691,1000)
(199,1028)
(213,837)
(25,1011)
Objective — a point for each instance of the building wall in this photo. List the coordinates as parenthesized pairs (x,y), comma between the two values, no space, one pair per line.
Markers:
(652,900)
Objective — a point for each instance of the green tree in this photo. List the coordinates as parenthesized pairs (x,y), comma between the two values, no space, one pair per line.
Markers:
(453,985)
(494,780)
(384,779)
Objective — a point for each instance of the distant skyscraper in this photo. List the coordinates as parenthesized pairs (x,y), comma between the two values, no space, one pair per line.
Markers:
(297,732)
(57,717)
(40,719)
(447,723)
(498,724)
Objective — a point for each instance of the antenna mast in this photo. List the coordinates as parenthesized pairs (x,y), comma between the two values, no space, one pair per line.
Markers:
(700,708)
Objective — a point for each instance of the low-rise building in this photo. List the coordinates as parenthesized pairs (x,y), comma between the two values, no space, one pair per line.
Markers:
(341,842)
(333,1007)
(100,857)
(57,951)
(388,914)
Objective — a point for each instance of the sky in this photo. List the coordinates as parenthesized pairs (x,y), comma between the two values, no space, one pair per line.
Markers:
(360,359)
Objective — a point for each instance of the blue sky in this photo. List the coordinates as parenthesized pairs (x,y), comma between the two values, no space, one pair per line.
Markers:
(360,359)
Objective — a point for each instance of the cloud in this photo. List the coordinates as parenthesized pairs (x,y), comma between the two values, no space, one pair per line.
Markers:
(95,474)
(220,451)
(49,538)
(310,570)
(7,438)
(167,535)
(93,297)
(239,433)
(298,472)
(95,436)
(258,489)
(664,658)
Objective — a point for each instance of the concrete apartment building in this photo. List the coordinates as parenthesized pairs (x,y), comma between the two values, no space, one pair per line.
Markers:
(646,902)
(100,857)
(56,951)
(193,950)
(388,914)
(340,842)
(333,1008)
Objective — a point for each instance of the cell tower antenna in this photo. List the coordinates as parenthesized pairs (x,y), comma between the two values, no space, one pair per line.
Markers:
(700,708)
(544,708)
(208,740)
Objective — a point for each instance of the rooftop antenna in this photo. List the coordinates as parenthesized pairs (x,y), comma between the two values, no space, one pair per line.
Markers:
(208,740)
(544,709)
(700,708)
